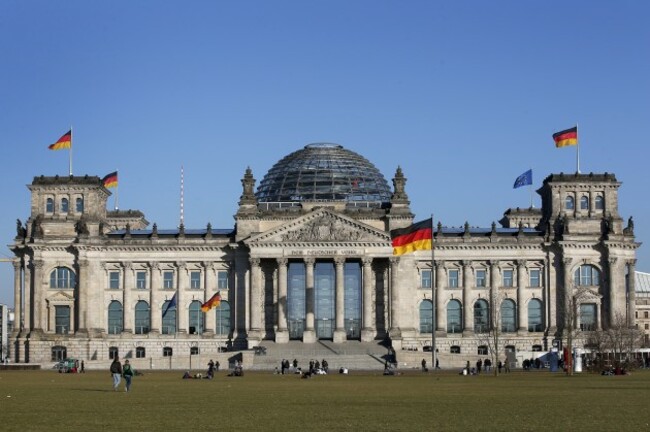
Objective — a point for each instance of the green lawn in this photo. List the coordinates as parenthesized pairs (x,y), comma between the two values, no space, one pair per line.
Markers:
(46,400)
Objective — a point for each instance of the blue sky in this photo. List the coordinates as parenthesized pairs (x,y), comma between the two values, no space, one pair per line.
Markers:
(464,96)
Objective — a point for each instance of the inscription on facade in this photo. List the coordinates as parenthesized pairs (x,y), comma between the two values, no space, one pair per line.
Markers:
(321,252)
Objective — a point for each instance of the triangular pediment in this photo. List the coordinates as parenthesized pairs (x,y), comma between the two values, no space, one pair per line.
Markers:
(60,297)
(321,227)
(587,296)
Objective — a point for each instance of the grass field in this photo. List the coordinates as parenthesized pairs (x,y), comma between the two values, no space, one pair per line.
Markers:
(46,400)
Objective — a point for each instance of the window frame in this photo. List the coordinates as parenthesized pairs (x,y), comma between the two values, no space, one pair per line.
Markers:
(223,280)
(195,279)
(168,282)
(453,278)
(114,283)
(480,278)
(508,281)
(531,279)
(426,282)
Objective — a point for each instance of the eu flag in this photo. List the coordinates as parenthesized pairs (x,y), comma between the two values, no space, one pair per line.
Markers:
(524,179)
(171,304)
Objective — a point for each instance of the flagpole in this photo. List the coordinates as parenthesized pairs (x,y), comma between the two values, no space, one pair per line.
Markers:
(530,188)
(577,150)
(70,153)
(433,300)
(117,192)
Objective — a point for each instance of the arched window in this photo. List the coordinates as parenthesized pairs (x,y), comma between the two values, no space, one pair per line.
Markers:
(535,316)
(196,318)
(508,316)
(587,275)
(599,202)
(79,206)
(115,318)
(454,317)
(569,203)
(426,318)
(223,319)
(584,203)
(65,206)
(62,277)
(49,205)
(481,316)
(168,318)
(142,317)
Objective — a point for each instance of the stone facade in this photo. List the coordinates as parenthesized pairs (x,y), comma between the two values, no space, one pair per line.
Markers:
(91,282)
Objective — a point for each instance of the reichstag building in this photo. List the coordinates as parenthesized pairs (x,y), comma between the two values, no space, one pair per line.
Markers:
(310,258)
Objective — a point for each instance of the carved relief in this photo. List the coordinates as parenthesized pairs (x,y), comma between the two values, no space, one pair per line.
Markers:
(324,228)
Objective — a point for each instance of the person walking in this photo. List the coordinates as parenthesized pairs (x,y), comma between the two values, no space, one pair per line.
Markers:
(116,371)
(424,365)
(127,373)
(83,367)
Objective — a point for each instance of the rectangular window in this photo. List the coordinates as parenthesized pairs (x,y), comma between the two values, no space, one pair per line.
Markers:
(535,278)
(62,319)
(140,352)
(507,278)
(195,279)
(113,353)
(114,280)
(222,279)
(141,280)
(425,281)
(453,278)
(168,279)
(167,351)
(480,278)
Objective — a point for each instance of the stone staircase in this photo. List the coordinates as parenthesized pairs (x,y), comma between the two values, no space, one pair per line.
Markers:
(352,355)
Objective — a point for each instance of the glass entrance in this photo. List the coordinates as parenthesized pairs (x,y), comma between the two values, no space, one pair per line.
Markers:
(325,290)
(352,276)
(296,299)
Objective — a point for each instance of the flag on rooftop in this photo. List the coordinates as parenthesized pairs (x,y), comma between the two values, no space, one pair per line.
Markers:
(566,137)
(62,143)
(413,238)
(110,180)
(524,179)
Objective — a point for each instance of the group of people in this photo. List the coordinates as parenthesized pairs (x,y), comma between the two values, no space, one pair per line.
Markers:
(315,368)
(212,368)
(484,366)
(118,372)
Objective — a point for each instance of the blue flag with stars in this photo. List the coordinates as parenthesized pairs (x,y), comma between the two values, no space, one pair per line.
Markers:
(171,304)
(524,179)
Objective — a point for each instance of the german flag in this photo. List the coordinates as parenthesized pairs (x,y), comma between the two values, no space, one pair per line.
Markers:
(65,142)
(214,301)
(567,137)
(110,180)
(413,238)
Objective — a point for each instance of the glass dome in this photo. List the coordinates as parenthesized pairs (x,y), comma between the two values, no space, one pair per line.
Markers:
(323,172)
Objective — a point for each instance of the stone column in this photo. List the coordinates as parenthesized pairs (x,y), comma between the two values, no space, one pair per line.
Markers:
(255,334)
(440,284)
(282,335)
(567,294)
(494,294)
(182,307)
(156,298)
(631,298)
(18,297)
(129,285)
(395,322)
(368,331)
(614,282)
(83,286)
(209,288)
(521,286)
(38,319)
(339,331)
(27,293)
(468,309)
(309,335)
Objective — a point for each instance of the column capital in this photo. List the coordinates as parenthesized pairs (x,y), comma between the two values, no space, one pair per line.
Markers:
(309,261)
(127,265)
(466,263)
(631,262)
(521,263)
(208,265)
(440,264)
(612,261)
(181,265)
(37,264)
(494,263)
(17,264)
(366,261)
(154,265)
(394,260)
(282,262)
(339,261)
(83,263)
(567,261)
